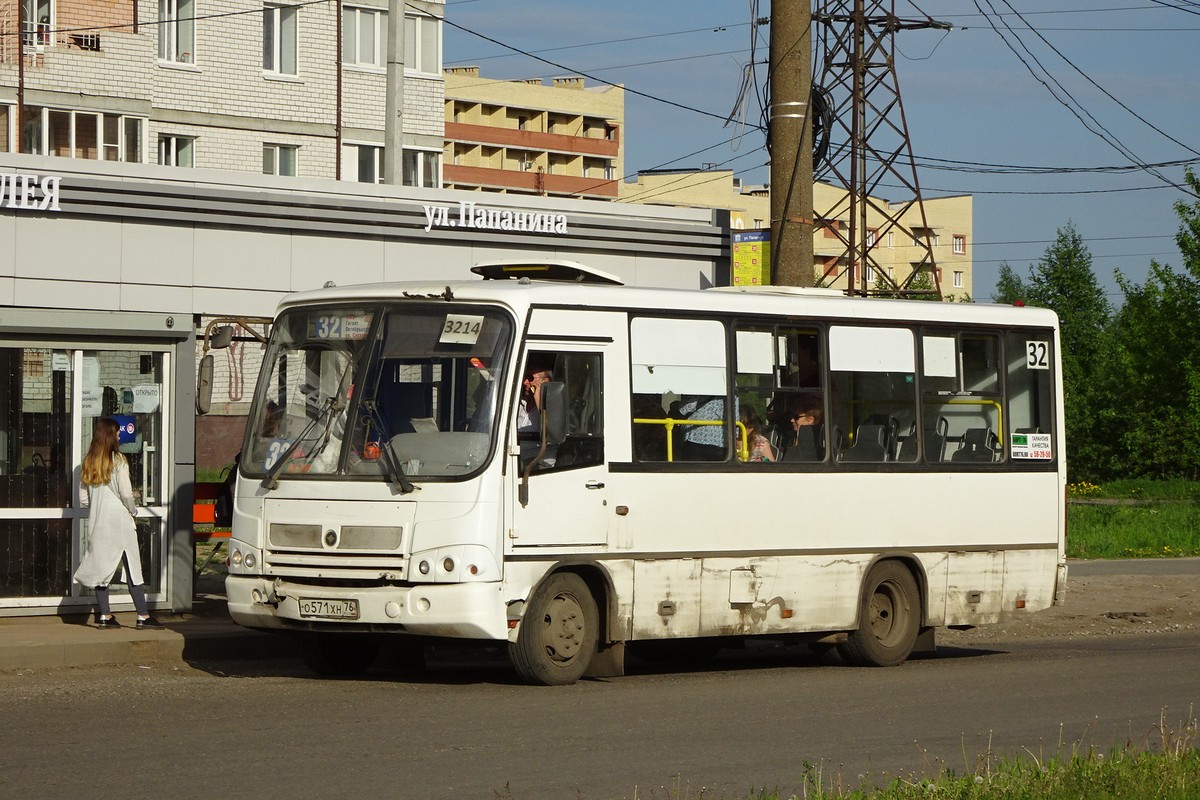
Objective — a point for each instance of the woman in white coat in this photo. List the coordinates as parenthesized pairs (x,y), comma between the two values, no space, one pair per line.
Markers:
(112,535)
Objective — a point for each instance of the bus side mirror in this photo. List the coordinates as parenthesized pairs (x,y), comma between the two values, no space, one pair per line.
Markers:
(554,401)
(204,381)
(221,338)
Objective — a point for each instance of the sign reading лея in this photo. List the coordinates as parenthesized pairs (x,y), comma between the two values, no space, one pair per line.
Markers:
(32,192)
(470,215)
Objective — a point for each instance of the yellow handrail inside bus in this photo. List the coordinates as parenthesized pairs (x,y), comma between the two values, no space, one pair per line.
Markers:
(975,401)
(669,424)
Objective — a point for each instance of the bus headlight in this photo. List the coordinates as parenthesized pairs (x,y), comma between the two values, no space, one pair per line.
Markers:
(467,562)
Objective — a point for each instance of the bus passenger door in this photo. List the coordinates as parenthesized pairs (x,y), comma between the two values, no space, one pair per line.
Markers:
(568,499)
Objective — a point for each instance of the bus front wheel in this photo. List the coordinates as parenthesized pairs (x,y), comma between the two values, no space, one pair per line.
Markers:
(888,619)
(338,655)
(558,633)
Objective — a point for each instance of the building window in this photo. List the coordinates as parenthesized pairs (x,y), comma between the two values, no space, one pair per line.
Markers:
(421,168)
(279,39)
(39,22)
(958,279)
(177,151)
(869,273)
(362,163)
(364,37)
(872,236)
(960,244)
(916,236)
(280,159)
(891,239)
(422,45)
(177,31)
(79,134)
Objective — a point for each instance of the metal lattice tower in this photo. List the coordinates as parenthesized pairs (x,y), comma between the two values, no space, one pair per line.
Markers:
(869,145)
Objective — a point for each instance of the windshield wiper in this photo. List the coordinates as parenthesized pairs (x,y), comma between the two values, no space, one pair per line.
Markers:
(271,480)
(391,463)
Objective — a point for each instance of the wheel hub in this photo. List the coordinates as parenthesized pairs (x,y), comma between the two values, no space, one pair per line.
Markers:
(564,628)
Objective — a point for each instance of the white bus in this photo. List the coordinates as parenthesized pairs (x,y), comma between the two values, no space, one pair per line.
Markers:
(700,465)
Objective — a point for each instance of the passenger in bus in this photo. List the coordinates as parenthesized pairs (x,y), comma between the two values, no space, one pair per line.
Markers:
(803,440)
(529,412)
(758,447)
(807,412)
(703,442)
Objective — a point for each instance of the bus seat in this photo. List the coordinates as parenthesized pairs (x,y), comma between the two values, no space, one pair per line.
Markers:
(805,447)
(870,444)
(935,445)
(906,444)
(978,445)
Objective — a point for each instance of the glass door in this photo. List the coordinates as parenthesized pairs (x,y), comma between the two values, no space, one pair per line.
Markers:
(128,386)
(50,395)
(37,463)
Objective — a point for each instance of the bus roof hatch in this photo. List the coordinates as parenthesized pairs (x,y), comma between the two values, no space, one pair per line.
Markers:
(567,271)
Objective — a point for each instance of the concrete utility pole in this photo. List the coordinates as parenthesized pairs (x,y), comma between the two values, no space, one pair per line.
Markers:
(791,143)
(393,124)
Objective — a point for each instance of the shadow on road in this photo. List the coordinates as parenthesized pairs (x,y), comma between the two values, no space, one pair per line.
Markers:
(467,663)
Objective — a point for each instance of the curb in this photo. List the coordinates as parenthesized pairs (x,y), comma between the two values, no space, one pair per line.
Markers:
(52,642)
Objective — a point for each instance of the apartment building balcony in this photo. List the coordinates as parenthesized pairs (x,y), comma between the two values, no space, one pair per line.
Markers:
(534,140)
(527,181)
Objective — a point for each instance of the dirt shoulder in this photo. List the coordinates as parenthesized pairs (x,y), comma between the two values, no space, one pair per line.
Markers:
(1102,605)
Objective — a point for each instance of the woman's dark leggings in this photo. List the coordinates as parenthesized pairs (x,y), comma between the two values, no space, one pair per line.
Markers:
(137,593)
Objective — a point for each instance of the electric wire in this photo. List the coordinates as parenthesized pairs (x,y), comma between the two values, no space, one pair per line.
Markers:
(1061,94)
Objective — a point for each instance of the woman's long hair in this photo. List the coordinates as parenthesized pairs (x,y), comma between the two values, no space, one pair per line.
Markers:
(104,449)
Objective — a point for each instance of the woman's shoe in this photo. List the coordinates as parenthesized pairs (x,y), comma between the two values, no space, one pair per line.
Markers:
(107,622)
(149,623)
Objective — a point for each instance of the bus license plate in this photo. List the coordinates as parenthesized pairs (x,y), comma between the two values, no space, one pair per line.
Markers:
(328,609)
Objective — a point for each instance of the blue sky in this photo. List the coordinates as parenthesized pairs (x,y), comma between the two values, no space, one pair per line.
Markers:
(967,98)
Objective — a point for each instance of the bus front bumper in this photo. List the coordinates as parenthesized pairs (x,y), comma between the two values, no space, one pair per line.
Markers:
(459,610)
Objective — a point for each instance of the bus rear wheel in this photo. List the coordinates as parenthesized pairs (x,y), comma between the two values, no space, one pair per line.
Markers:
(888,619)
(338,655)
(558,634)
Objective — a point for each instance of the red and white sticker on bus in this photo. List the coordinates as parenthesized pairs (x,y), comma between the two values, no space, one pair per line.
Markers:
(1031,446)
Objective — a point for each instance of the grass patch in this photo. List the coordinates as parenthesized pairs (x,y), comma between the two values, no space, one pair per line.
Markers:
(1133,519)
(1177,491)
(1162,530)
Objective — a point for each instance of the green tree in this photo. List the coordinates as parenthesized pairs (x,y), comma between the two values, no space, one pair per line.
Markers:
(1157,360)
(1063,280)
(1009,286)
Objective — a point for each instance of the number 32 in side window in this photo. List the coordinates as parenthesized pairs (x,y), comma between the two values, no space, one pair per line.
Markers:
(1037,355)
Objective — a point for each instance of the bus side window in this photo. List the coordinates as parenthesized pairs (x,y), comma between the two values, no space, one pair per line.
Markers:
(1028,435)
(962,400)
(582,378)
(679,380)
(873,371)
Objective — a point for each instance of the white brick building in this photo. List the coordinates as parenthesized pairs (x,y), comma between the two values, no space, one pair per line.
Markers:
(222,84)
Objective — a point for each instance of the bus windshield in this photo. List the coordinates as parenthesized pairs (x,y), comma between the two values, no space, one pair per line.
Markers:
(398,390)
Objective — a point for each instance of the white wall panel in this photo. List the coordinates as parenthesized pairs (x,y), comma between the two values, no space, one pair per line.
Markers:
(34,293)
(316,260)
(160,254)
(243,259)
(167,299)
(79,250)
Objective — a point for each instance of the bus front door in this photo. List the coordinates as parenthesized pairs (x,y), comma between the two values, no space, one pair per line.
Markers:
(566,502)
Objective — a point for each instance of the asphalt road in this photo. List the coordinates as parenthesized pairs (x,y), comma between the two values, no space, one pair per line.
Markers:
(465,729)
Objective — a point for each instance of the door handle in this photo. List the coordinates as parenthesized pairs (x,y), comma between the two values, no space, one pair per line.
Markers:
(594,484)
